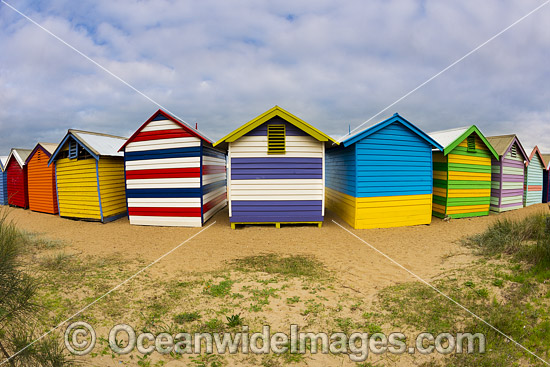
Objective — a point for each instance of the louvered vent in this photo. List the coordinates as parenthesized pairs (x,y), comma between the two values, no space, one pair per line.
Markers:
(276,139)
(73,149)
(471,143)
(514,151)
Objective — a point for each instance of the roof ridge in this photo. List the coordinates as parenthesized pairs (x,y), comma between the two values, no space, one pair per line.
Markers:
(95,133)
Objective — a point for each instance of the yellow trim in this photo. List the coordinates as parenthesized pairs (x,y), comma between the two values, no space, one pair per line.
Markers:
(440,175)
(268,115)
(381,212)
(469,176)
(467,209)
(469,193)
(276,139)
(466,159)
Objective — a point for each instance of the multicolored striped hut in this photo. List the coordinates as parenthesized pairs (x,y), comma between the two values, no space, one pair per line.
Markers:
(382,176)
(89,174)
(41,179)
(462,173)
(3,181)
(507,173)
(534,178)
(546,179)
(16,174)
(276,170)
(173,175)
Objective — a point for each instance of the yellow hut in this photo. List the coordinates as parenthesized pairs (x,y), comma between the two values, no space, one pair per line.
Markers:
(89,173)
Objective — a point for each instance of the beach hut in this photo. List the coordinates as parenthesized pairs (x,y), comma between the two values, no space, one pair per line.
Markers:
(3,181)
(276,170)
(90,176)
(546,179)
(173,175)
(41,179)
(534,178)
(16,175)
(382,176)
(507,173)
(462,173)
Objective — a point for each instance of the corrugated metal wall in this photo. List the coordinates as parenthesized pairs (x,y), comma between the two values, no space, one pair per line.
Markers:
(41,181)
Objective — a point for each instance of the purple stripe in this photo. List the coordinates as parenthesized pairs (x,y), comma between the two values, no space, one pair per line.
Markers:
(495,177)
(508,193)
(512,163)
(511,205)
(276,211)
(290,130)
(275,203)
(512,178)
(276,176)
(284,160)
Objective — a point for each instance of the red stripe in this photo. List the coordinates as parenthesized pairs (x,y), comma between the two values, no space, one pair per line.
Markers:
(535,188)
(212,203)
(162,134)
(212,169)
(163,173)
(165,212)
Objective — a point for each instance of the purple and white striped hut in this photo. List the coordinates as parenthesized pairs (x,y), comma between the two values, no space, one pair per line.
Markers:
(507,174)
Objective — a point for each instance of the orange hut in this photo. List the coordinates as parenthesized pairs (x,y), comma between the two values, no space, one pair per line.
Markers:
(41,180)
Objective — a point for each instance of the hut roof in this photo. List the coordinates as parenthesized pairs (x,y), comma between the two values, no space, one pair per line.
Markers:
(537,152)
(380,125)
(97,144)
(20,155)
(48,147)
(3,161)
(450,139)
(268,115)
(174,119)
(546,158)
(502,144)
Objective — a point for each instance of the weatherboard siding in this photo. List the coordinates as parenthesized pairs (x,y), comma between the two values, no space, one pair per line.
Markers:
(77,188)
(533,182)
(111,186)
(383,180)
(462,181)
(3,188)
(17,184)
(546,187)
(507,177)
(172,179)
(267,188)
(41,181)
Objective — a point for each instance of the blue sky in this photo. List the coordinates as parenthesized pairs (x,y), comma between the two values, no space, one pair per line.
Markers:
(221,63)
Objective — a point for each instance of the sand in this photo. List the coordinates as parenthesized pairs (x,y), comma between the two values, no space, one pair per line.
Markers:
(427,251)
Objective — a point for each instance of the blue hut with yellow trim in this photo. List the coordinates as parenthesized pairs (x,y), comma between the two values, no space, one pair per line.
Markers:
(381,176)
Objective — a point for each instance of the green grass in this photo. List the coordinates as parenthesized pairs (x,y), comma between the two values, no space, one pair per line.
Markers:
(185,317)
(221,289)
(293,266)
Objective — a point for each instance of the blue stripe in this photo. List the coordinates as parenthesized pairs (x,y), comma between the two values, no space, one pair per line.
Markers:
(276,168)
(276,211)
(163,153)
(213,153)
(3,188)
(213,186)
(164,193)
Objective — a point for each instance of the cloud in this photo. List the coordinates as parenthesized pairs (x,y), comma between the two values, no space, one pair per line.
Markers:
(219,64)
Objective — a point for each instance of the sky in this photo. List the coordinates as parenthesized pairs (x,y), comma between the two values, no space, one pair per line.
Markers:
(219,64)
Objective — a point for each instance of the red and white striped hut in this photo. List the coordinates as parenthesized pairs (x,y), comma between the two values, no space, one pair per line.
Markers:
(173,175)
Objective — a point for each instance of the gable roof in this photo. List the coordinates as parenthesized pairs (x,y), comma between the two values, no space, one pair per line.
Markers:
(97,144)
(3,161)
(174,119)
(450,139)
(536,151)
(49,148)
(546,158)
(268,115)
(503,143)
(379,126)
(20,155)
